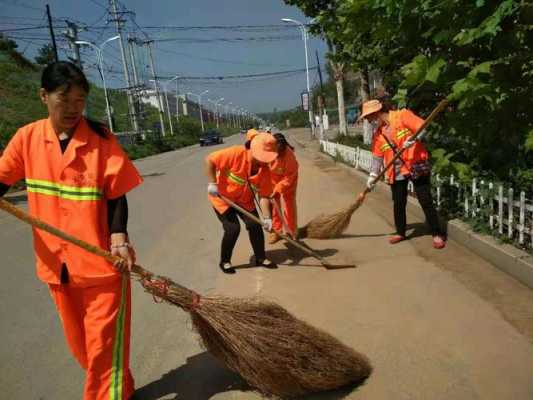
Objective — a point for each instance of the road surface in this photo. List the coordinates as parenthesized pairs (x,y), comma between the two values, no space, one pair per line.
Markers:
(435,324)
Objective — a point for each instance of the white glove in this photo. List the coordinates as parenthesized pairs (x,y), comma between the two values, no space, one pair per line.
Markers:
(408,143)
(370,184)
(212,189)
(267,224)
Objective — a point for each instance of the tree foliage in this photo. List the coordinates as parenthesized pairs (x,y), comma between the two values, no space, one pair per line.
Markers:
(475,52)
(45,55)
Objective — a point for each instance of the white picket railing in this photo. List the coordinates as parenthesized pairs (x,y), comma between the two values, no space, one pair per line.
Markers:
(506,213)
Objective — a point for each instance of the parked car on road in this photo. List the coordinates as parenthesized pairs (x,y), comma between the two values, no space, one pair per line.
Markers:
(211,137)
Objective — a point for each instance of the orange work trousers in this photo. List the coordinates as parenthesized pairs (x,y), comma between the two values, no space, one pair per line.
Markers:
(287,204)
(96,322)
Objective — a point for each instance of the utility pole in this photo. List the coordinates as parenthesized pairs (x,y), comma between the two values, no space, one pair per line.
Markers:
(156,85)
(117,18)
(72,36)
(52,32)
(136,103)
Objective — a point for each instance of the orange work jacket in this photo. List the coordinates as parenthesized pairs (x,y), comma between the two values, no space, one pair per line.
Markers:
(234,168)
(402,125)
(69,191)
(284,172)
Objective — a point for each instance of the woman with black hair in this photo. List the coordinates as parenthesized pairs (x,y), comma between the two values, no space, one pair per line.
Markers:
(77,176)
(284,175)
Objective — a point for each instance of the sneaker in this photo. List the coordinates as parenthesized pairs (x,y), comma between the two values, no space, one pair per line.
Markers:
(396,239)
(227,268)
(439,242)
(266,263)
(273,237)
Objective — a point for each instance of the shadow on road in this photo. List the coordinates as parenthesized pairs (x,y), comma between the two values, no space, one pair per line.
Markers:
(18,198)
(201,378)
(154,174)
(292,255)
(418,229)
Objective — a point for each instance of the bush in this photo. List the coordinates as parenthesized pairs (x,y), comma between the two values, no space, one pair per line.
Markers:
(352,141)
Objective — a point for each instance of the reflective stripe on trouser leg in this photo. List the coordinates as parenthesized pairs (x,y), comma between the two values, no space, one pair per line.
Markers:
(107,325)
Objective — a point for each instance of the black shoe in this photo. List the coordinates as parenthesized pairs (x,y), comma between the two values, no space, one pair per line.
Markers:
(227,268)
(266,263)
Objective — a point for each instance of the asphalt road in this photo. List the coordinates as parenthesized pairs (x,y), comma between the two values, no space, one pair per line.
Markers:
(436,325)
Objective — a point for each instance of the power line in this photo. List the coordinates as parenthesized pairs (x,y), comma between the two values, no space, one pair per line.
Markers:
(98,4)
(16,3)
(223,27)
(230,40)
(24,29)
(272,74)
(217,60)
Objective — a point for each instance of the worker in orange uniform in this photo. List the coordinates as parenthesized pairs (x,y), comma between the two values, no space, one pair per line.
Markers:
(236,173)
(284,174)
(76,177)
(394,132)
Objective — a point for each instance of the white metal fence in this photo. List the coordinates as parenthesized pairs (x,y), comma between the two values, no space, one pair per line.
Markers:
(506,211)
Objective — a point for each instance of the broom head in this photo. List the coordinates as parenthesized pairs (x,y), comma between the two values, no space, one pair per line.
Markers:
(333,225)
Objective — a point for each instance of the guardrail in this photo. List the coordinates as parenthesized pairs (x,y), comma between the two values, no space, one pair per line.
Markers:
(506,211)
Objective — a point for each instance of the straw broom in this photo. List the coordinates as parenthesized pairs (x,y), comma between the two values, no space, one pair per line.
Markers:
(271,349)
(333,225)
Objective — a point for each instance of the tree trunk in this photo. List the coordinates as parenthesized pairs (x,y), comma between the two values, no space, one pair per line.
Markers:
(340,102)
(365,96)
(338,75)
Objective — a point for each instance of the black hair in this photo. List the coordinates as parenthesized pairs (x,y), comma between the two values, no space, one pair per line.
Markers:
(282,142)
(65,73)
(247,144)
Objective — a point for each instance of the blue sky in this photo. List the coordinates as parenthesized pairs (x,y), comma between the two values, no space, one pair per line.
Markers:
(185,52)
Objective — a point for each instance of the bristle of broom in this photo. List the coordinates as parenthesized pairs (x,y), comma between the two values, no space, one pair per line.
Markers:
(330,226)
(275,352)
(271,349)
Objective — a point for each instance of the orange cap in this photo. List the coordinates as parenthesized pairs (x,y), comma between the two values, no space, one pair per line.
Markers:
(370,107)
(251,134)
(264,147)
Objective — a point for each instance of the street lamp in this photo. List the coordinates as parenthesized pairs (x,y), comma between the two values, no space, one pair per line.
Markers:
(216,103)
(165,87)
(304,36)
(228,114)
(200,105)
(99,51)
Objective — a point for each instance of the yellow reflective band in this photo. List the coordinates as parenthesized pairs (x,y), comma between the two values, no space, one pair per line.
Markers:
(117,372)
(386,146)
(402,133)
(235,178)
(67,192)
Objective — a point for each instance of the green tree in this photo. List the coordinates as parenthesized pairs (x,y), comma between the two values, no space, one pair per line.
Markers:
(476,52)
(45,55)
(7,44)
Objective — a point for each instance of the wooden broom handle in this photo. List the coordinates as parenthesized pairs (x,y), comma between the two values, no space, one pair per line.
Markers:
(436,111)
(37,223)
(285,237)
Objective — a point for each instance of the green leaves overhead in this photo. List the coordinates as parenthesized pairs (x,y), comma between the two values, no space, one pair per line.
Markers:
(476,52)
(422,69)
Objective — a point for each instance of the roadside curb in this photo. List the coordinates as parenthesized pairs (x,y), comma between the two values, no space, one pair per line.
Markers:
(505,257)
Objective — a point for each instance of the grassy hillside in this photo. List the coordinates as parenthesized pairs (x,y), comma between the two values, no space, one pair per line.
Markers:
(20,103)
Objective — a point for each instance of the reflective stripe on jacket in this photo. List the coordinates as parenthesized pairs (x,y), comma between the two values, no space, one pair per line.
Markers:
(402,125)
(69,191)
(234,168)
